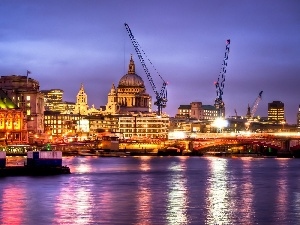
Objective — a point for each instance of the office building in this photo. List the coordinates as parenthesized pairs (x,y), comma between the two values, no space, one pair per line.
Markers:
(276,112)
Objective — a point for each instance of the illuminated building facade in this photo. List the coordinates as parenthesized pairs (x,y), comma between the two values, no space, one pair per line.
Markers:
(184,111)
(58,124)
(12,124)
(276,112)
(106,123)
(68,107)
(134,125)
(196,110)
(25,93)
(142,125)
(209,112)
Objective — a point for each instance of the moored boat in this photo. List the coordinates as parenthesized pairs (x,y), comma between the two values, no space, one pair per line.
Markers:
(38,163)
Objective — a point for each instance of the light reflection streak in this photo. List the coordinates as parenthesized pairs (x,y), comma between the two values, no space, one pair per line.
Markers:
(84,167)
(246,207)
(106,204)
(83,205)
(144,193)
(145,166)
(13,206)
(74,207)
(282,190)
(177,196)
(218,195)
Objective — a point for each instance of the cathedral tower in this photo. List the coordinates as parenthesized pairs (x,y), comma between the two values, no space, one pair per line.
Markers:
(112,106)
(81,106)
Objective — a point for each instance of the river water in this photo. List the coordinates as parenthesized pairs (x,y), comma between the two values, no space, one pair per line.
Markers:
(157,190)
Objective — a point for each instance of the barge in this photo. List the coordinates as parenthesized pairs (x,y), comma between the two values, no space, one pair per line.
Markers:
(38,163)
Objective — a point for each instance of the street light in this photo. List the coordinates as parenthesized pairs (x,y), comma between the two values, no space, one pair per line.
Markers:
(220,123)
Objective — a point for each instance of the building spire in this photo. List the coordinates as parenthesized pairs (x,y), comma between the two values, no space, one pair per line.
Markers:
(131,68)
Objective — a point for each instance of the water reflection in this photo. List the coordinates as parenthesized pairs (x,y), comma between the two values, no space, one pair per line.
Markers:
(76,206)
(84,165)
(12,206)
(245,207)
(296,204)
(177,196)
(218,204)
(144,192)
(282,196)
(166,190)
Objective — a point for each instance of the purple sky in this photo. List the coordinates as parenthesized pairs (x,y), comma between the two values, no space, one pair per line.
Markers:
(67,42)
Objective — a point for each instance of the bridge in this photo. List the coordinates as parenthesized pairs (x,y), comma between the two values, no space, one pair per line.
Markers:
(267,144)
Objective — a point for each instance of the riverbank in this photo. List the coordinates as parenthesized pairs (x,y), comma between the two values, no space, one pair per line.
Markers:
(166,152)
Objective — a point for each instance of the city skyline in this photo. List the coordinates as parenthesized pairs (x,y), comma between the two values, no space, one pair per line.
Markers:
(87,43)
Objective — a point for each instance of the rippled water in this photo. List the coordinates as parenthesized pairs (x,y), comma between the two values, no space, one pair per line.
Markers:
(157,190)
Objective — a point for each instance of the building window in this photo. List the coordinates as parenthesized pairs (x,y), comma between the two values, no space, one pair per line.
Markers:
(28,98)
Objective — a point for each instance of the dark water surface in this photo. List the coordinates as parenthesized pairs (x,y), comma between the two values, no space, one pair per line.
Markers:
(157,190)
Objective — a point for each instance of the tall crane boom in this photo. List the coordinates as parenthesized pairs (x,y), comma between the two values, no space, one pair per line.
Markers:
(161,97)
(219,104)
(252,110)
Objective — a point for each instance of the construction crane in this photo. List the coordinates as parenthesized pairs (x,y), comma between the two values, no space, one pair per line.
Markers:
(161,97)
(236,115)
(251,111)
(219,104)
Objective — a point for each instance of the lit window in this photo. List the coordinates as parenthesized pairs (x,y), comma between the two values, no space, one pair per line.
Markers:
(28,98)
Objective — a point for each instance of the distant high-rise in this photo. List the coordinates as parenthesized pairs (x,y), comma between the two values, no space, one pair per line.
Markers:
(54,101)
(53,97)
(298,118)
(276,112)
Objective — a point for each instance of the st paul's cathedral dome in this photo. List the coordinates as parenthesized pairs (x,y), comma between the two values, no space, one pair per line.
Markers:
(131,79)
(130,95)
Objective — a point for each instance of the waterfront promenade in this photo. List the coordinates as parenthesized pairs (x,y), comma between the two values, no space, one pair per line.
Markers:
(221,144)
